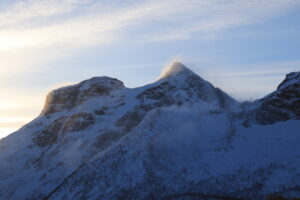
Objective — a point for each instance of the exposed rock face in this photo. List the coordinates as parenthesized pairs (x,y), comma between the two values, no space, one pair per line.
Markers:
(69,97)
(76,122)
(283,104)
(179,84)
(177,138)
(49,135)
(106,139)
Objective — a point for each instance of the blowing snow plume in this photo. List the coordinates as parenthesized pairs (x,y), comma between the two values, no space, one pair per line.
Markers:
(177,138)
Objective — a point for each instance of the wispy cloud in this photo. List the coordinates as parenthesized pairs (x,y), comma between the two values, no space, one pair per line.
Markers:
(38,31)
(29,25)
(23,11)
(33,23)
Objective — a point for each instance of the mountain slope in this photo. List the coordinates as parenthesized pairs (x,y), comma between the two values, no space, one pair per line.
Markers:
(175,138)
(283,104)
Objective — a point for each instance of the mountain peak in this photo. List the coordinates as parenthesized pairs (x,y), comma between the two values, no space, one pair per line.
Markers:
(290,79)
(100,130)
(283,104)
(70,96)
(176,69)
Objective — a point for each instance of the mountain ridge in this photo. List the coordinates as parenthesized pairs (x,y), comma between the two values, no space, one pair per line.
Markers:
(177,136)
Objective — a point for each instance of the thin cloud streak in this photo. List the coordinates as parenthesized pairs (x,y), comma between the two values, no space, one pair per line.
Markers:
(26,10)
(94,25)
(30,26)
(34,32)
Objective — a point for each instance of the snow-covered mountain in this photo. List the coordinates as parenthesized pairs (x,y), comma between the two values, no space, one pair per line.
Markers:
(177,138)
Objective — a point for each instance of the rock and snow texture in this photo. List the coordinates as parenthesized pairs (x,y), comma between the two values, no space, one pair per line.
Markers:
(177,138)
(281,105)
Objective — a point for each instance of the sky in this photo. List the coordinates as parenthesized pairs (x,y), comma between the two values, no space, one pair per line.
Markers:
(244,47)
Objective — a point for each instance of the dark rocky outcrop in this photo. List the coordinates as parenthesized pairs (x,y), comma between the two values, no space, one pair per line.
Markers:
(179,84)
(69,97)
(76,122)
(281,105)
(50,133)
(107,137)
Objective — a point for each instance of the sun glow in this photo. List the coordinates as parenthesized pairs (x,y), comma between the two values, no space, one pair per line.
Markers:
(12,40)
(10,124)
(16,112)
(6,131)
(8,120)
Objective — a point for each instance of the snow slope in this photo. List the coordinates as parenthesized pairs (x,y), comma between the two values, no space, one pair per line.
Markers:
(177,138)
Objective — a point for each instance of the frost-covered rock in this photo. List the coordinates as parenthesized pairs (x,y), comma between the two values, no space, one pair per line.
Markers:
(281,105)
(178,85)
(177,138)
(69,97)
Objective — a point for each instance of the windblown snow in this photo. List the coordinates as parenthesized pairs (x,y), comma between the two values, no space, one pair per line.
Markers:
(177,138)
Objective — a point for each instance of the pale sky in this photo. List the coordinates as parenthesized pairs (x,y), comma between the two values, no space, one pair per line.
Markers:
(245,47)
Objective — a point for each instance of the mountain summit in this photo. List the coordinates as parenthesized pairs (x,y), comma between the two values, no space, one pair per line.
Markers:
(71,96)
(176,69)
(177,138)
